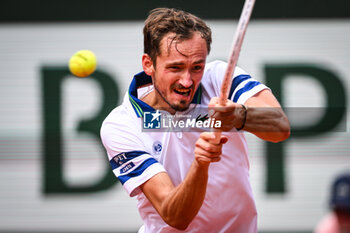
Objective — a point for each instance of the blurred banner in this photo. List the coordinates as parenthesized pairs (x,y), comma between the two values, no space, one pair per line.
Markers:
(107,10)
(54,172)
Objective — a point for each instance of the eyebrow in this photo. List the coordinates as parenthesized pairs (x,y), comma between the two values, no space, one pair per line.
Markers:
(199,61)
(182,63)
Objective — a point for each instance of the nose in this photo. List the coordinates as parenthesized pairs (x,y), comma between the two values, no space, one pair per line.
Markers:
(186,79)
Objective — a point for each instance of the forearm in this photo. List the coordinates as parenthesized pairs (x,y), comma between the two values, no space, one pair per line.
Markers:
(261,115)
(181,205)
(267,123)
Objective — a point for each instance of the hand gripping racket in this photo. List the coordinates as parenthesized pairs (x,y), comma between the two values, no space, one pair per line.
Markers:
(234,54)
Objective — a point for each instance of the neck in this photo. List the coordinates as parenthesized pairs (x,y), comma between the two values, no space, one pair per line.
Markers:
(155,101)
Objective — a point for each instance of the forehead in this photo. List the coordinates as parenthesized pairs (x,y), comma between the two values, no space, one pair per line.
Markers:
(193,46)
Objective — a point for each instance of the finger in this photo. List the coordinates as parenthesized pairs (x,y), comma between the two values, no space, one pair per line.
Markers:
(228,108)
(202,159)
(214,101)
(202,155)
(223,114)
(223,139)
(202,151)
(209,136)
(217,159)
(209,146)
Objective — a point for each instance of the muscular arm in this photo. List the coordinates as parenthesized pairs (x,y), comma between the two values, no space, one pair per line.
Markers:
(264,117)
(179,205)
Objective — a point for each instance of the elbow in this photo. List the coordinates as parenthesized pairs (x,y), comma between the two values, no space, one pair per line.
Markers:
(281,137)
(286,134)
(276,136)
(283,134)
(285,130)
(180,224)
(178,221)
(177,218)
(181,227)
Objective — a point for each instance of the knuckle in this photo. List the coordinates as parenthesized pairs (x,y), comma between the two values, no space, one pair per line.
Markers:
(208,148)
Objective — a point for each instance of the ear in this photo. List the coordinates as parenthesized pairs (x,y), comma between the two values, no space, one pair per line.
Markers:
(147,64)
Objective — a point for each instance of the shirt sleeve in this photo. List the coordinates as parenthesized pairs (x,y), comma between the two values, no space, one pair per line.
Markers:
(128,157)
(243,86)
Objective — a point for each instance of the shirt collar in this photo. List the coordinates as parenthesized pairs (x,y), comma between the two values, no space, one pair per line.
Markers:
(138,105)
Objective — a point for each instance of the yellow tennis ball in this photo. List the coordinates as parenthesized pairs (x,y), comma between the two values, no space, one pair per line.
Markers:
(83,63)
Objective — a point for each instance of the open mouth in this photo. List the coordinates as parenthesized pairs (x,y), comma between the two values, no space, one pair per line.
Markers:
(182,92)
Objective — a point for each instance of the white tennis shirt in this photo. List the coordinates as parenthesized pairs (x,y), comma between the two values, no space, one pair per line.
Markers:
(135,156)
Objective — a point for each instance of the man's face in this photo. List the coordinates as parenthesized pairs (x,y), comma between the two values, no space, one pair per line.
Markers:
(178,71)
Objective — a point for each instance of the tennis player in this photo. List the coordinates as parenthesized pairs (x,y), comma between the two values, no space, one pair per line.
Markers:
(183,180)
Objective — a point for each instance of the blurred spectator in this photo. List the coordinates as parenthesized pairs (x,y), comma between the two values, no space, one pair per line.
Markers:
(338,220)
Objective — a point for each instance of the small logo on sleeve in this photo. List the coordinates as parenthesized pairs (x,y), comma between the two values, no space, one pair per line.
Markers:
(127,167)
(120,159)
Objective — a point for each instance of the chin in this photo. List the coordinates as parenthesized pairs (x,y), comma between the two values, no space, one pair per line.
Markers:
(180,107)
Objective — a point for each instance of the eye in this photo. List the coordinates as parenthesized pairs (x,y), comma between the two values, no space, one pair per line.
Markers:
(197,68)
(174,68)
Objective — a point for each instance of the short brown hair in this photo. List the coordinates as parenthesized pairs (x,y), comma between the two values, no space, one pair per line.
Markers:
(162,21)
